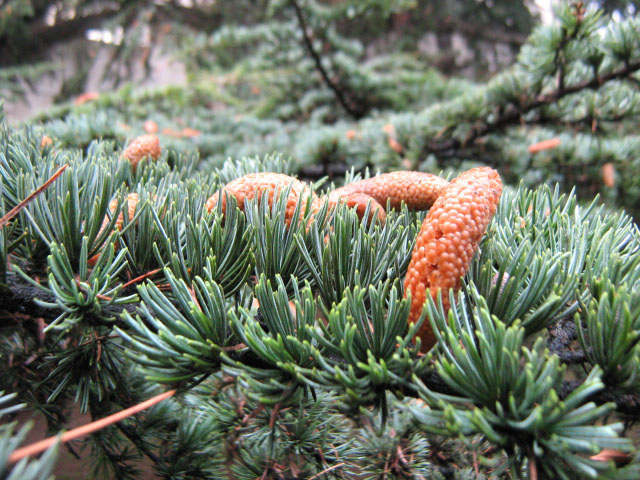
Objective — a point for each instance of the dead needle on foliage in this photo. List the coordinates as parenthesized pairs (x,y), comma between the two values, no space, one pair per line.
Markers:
(141,277)
(42,445)
(544,145)
(618,457)
(15,210)
(327,470)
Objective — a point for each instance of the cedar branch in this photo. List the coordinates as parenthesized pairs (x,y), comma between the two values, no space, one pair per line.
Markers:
(514,113)
(339,94)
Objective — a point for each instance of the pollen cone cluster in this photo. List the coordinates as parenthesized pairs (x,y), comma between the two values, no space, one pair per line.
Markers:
(459,215)
(141,147)
(449,236)
(247,187)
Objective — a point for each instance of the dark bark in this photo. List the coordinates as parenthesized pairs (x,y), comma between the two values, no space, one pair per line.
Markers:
(561,335)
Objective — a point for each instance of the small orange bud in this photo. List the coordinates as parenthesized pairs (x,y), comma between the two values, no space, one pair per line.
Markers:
(46,141)
(144,146)
(544,145)
(389,129)
(609,174)
(395,145)
(255,303)
(86,97)
(190,132)
(150,126)
(350,134)
(171,132)
(132,204)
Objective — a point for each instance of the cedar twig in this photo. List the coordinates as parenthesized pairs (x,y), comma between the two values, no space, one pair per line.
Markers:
(42,445)
(134,438)
(14,211)
(561,336)
(21,297)
(340,96)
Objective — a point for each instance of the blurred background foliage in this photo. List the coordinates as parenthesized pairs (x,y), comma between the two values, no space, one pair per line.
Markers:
(244,78)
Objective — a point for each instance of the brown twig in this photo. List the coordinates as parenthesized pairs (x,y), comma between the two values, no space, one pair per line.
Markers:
(14,211)
(42,445)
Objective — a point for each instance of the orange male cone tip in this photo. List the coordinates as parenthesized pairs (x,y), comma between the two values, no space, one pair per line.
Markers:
(144,146)
(46,141)
(609,174)
(86,97)
(350,134)
(252,184)
(389,129)
(190,132)
(449,237)
(395,145)
(171,132)
(132,203)
(360,201)
(150,126)
(544,145)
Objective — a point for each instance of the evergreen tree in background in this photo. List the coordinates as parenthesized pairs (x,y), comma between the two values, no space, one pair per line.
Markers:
(287,343)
